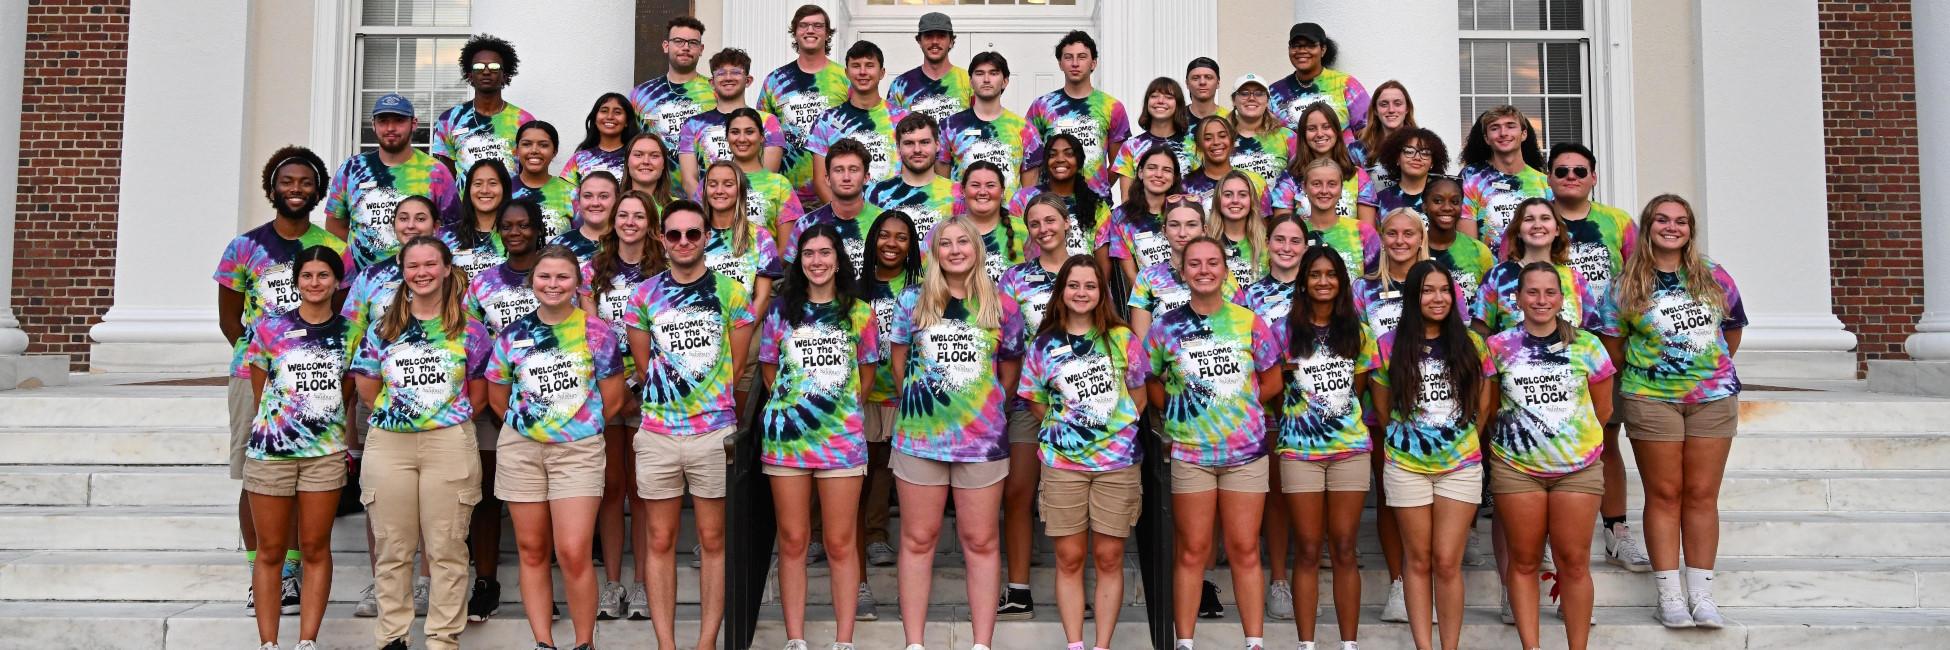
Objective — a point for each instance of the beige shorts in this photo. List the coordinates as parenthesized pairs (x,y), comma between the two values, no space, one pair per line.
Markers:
(1350,474)
(666,465)
(1650,419)
(528,471)
(243,411)
(283,478)
(844,472)
(1505,479)
(880,420)
(1105,502)
(1189,478)
(1023,427)
(961,476)
(1408,489)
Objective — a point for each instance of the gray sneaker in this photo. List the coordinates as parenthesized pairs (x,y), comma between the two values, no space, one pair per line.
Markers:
(1623,550)
(639,603)
(610,602)
(368,606)
(1396,610)
(881,554)
(1279,601)
(697,556)
(1705,613)
(815,553)
(866,609)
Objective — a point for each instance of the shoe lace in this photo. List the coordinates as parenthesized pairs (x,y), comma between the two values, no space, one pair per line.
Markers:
(1704,600)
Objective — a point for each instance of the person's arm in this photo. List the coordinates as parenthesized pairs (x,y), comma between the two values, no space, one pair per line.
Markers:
(498,396)
(1493,395)
(769,372)
(477,393)
(1615,348)
(1269,388)
(1009,371)
(898,365)
(1038,411)
(1129,266)
(688,169)
(257,384)
(1155,391)
(613,392)
(819,178)
(1484,407)
(1140,322)
(230,314)
(1467,226)
(1383,407)
(866,380)
(761,297)
(368,388)
(1601,398)
(773,158)
(640,352)
(1733,342)
(339,225)
(741,343)
(1366,214)
(1031,176)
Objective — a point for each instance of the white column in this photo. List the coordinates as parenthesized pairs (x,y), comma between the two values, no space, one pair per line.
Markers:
(1422,42)
(1930,22)
(179,185)
(1139,40)
(1766,185)
(13,53)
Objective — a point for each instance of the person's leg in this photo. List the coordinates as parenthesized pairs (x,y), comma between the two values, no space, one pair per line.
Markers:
(1239,514)
(1417,534)
(267,571)
(1523,518)
(450,486)
(1661,472)
(1310,528)
(1109,553)
(1451,520)
(874,497)
(316,512)
(617,488)
(574,521)
(1570,539)
(1071,553)
(1343,528)
(921,512)
(1613,456)
(662,523)
(484,529)
(976,520)
(710,535)
(791,496)
(1704,463)
(1193,516)
(390,484)
(1018,518)
(842,498)
(1277,528)
(1387,526)
(532,542)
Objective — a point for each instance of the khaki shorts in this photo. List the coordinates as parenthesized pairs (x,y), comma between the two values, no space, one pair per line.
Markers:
(1105,502)
(283,478)
(1024,427)
(1189,478)
(1649,419)
(529,471)
(961,476)
(666,465)
(243,411)
(1350,474)
(1506,479)
(487,433)
(1408,489)
(844,472)
(880,422)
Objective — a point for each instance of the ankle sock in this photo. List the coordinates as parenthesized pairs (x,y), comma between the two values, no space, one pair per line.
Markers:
(1698,581)
(1017,585)
(1255,643)
(1074,646)
(1667,582)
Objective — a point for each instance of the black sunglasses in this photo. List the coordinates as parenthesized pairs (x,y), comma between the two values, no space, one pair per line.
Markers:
(1567,171)
(685,235)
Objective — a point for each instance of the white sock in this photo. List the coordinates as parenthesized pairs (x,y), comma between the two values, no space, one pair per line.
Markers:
(1699,581)
(1183,644)
(1014,585)
(1667,582)
(1255,643)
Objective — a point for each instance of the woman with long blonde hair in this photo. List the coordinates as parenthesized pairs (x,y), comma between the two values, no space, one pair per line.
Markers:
(1240,224)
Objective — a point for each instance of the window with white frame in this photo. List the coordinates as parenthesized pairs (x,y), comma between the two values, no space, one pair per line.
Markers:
(1532,54)
(410,47)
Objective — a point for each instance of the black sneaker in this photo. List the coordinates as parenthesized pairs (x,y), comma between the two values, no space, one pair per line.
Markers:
(289,600)
(1208,602)
(554,612)
(250,600)
(397,644)
(586,646)
(543,646)
(486,601)
(1016,605)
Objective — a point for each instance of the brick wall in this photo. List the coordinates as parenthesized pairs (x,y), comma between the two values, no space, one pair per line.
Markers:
(1874,208)
(70,171)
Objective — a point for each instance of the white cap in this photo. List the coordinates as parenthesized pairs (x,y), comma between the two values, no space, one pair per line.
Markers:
(1249,78)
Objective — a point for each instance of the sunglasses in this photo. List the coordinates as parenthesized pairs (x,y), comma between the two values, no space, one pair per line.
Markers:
(690,235)
(1567,171)
(479,67)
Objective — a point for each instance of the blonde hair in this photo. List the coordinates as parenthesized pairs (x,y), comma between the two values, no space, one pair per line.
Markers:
(933,303)
(1308,168)
(1255,226)
(1640,276)
(741,235)
(453,295)
(1414,218)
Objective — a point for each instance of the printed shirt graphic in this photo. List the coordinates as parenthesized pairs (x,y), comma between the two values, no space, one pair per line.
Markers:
(1436,439)
(1600,244)
(663,107)
(423,374)
(1497,306)
(365,192)
(258,265)
(1358,243)
(703,138)
(1082,239)
(1033,288)
(552,372)
(1380,302)
(798,97)
(1491,197)
(687,386)
(1470,261)
(951,399)
(1007,141)
(813,419)
(1133,235)
(1086,383)
(487,251)
(467,137)
(1266,154)
(1161,288)
(1289,193)
(873,128)
(1545,425)
(1323,415)
(499,296)
(1209,366)
(928,205)
(557,198)
(1097,121)
(1271,299)
(940,98)
(303,411)
(853,231)
(885,298)
(771,203)
(761,257)
(578,244)
(1676,351)
(371,294)
(1289,97)
(588,161)
(1183,148)
(1239,259)
(612,304)
(1206,188)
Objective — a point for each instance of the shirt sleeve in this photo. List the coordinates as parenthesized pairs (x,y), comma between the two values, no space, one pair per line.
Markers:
(1285,193)
(901,332)
(1118,129)
(1142,294)
(365,362)
(738,307)
(693,128)
(1035,374)
(1736,316)
(1608,318)
(441,143)
(479,342)
(1032,146)
(338,200)
(1114,236)
(1382,352)
(1010,347)
(445,194)
(1357,105)
(1366,194)
(605,351)
(258,352)
(767,249)
(501,360)
(1126,162)
(233,269)
(636,311)
(1034,121)
(770,334)
(867,327)
(1597,363)
(1266,345)
(774,133)
(1137,361)
(1370,359)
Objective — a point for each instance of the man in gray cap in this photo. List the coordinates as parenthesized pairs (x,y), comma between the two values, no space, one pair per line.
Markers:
(936,88)
(359,205)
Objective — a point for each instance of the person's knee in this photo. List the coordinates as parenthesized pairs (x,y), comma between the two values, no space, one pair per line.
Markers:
(1525,561)
(1110,560)
(1573,570)
(980,544)
(1069,563)
(1446,568)
(1306,547)
(1416,560)
(711,538)
(1700,494)
(1194,551)
(792,542)
(534,552)
(662,538)
(1343,549)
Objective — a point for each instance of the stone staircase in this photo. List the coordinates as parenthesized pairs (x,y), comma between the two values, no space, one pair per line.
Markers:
(117,530)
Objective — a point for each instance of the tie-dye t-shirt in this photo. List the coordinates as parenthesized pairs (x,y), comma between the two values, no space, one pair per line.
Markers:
(663,106)
(1436,439)
(1033,288)
(1098,121)
(1086,383)
(1007,141)
(1201,184)
(487,251)
(578,244)
(1323,414)
(1491,197)
(1240,259)
(873,128)
(1271,299)
(1392,197)
(940,98)
(1380,302)
(258,265)
(367,301)
(761,257)
(771,203)
(365,192)
(499,296)
(1082,239)
(702,137)
(1134,235)
(1161,288)
(928,205)
(1183,147)
(798,97)
(951,399)
(1497,303)
(557,199)
(1545,425)
(1289,97)
(1468,261)
(885,298)
(687,388)
(303,411)
(465,136)
(1358,243)
(852,231)
(1676,351)
(1210,367)
(1289,193)
(613,303)
(1267,153)
(813,419)
(590,160)
(423,374)
(1600,244)
(553,372)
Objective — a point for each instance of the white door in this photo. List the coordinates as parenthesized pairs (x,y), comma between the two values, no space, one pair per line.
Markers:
(1031,55)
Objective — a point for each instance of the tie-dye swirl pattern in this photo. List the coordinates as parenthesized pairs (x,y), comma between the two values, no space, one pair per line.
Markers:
(873,128)
(1135,234)
(951,399)
(557,199)
(465,136)
(687,388)
(500,296)
(1086,383)
(1007,141)
(365,191)
(928,205)
(258,265)
(940,98)
(303,412)
(1545,425)
(761,257)
(1497,305)
(1490,197)
(486,253)
(798,97)
(1436,438)
(423,374)
(1676,351)
(553,372)
(1210,367)
(1097,120)
(1184,148)
(1600,244)
(1267,154)
(852,233)
(813,419)
(1289,97)
(703,138)
(1323,413)
(1469,261)
(885,298)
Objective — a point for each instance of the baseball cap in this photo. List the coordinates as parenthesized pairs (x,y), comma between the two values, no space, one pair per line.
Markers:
(1307,32)
(1202,62)
(1249,78)
(935,21)
(392,104)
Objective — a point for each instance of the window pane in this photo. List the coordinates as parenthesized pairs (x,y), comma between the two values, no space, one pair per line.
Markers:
(1566,14)
(416,13)
(1564,68)
(1467,70)
(1520,15)
(1493,14)
(1492,62)
(1564,117)
(420,67)
(1526,68)
(1527,14)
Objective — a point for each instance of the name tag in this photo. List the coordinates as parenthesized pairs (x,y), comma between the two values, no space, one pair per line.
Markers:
(1501,186)
(464,259)
(294,334)
(1390,295)
(368,185)
(1557,347)
(524,343)
(392,285)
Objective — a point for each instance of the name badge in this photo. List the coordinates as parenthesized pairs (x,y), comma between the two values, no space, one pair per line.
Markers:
(524,343)
(392,285)
(1556,347)
(464,259)
(293,334)
(1390,295)
(368,185)
(1502,186)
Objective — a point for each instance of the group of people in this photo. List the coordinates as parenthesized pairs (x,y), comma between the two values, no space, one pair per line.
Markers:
(934,297)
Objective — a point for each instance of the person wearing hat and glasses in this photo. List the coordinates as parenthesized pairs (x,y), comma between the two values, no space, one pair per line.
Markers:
(937,87)
(1262,143)
(1202,86)
(1312,81)
(370,185)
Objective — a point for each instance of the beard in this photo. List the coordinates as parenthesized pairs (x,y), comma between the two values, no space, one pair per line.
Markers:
(301,212)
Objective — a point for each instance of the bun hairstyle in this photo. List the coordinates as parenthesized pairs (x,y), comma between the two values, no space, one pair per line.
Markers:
(452,294)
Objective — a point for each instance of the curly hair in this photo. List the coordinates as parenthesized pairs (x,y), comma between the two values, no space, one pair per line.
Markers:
(293,154)
(1390,153)
(510,63)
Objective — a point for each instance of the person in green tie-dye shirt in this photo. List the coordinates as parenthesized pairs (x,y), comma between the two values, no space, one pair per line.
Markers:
(1080,109)
(1321,190)
(989,132)
(1537,235)
(370,185)
(536,144)
(862,118)
(665,102)
(1165,123)
(925,196)
(893,264)
(1318,142)
(1311,52)
(481,128)
(800,90)
(1501,166)
(1467,259)
(770,201)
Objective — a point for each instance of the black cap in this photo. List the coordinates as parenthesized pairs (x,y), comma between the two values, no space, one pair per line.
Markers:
(1307,32)
(1202,62)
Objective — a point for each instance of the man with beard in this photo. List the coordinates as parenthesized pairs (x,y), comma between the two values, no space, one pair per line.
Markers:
(254,281)
(863,118)
(484,127)
(664,103)
(369,185)
(987,131)
(935,87)
(917,190)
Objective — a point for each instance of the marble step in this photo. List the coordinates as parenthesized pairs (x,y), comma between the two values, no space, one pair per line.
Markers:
(117,485)
(222,576)
(180,445)
(128,407)
(189,625)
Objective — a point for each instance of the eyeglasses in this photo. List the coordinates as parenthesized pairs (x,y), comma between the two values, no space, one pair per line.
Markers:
(1412,152)
(1250,94)
(1567,171)
(690,235)
(480,67)
(728,72)
(808,25)
(684,42)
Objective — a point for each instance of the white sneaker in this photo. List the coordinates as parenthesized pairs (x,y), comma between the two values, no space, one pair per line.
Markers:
(305,645)
(612,601)
(1623,550)
(639,603)
(1304,645)
(1547,563)
(368,606)
(865,607)
(1505,613)
(421,585)
(1350,645)
(1474,554)
(1672,612)
(1396,611)
(1706,613)
(881,554)
(978,646)
(840,646)
(916,646)
(1279,600)
(273,645)
(795,644)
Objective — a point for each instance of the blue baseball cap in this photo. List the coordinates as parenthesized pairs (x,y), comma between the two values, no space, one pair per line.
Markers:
(392,104)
